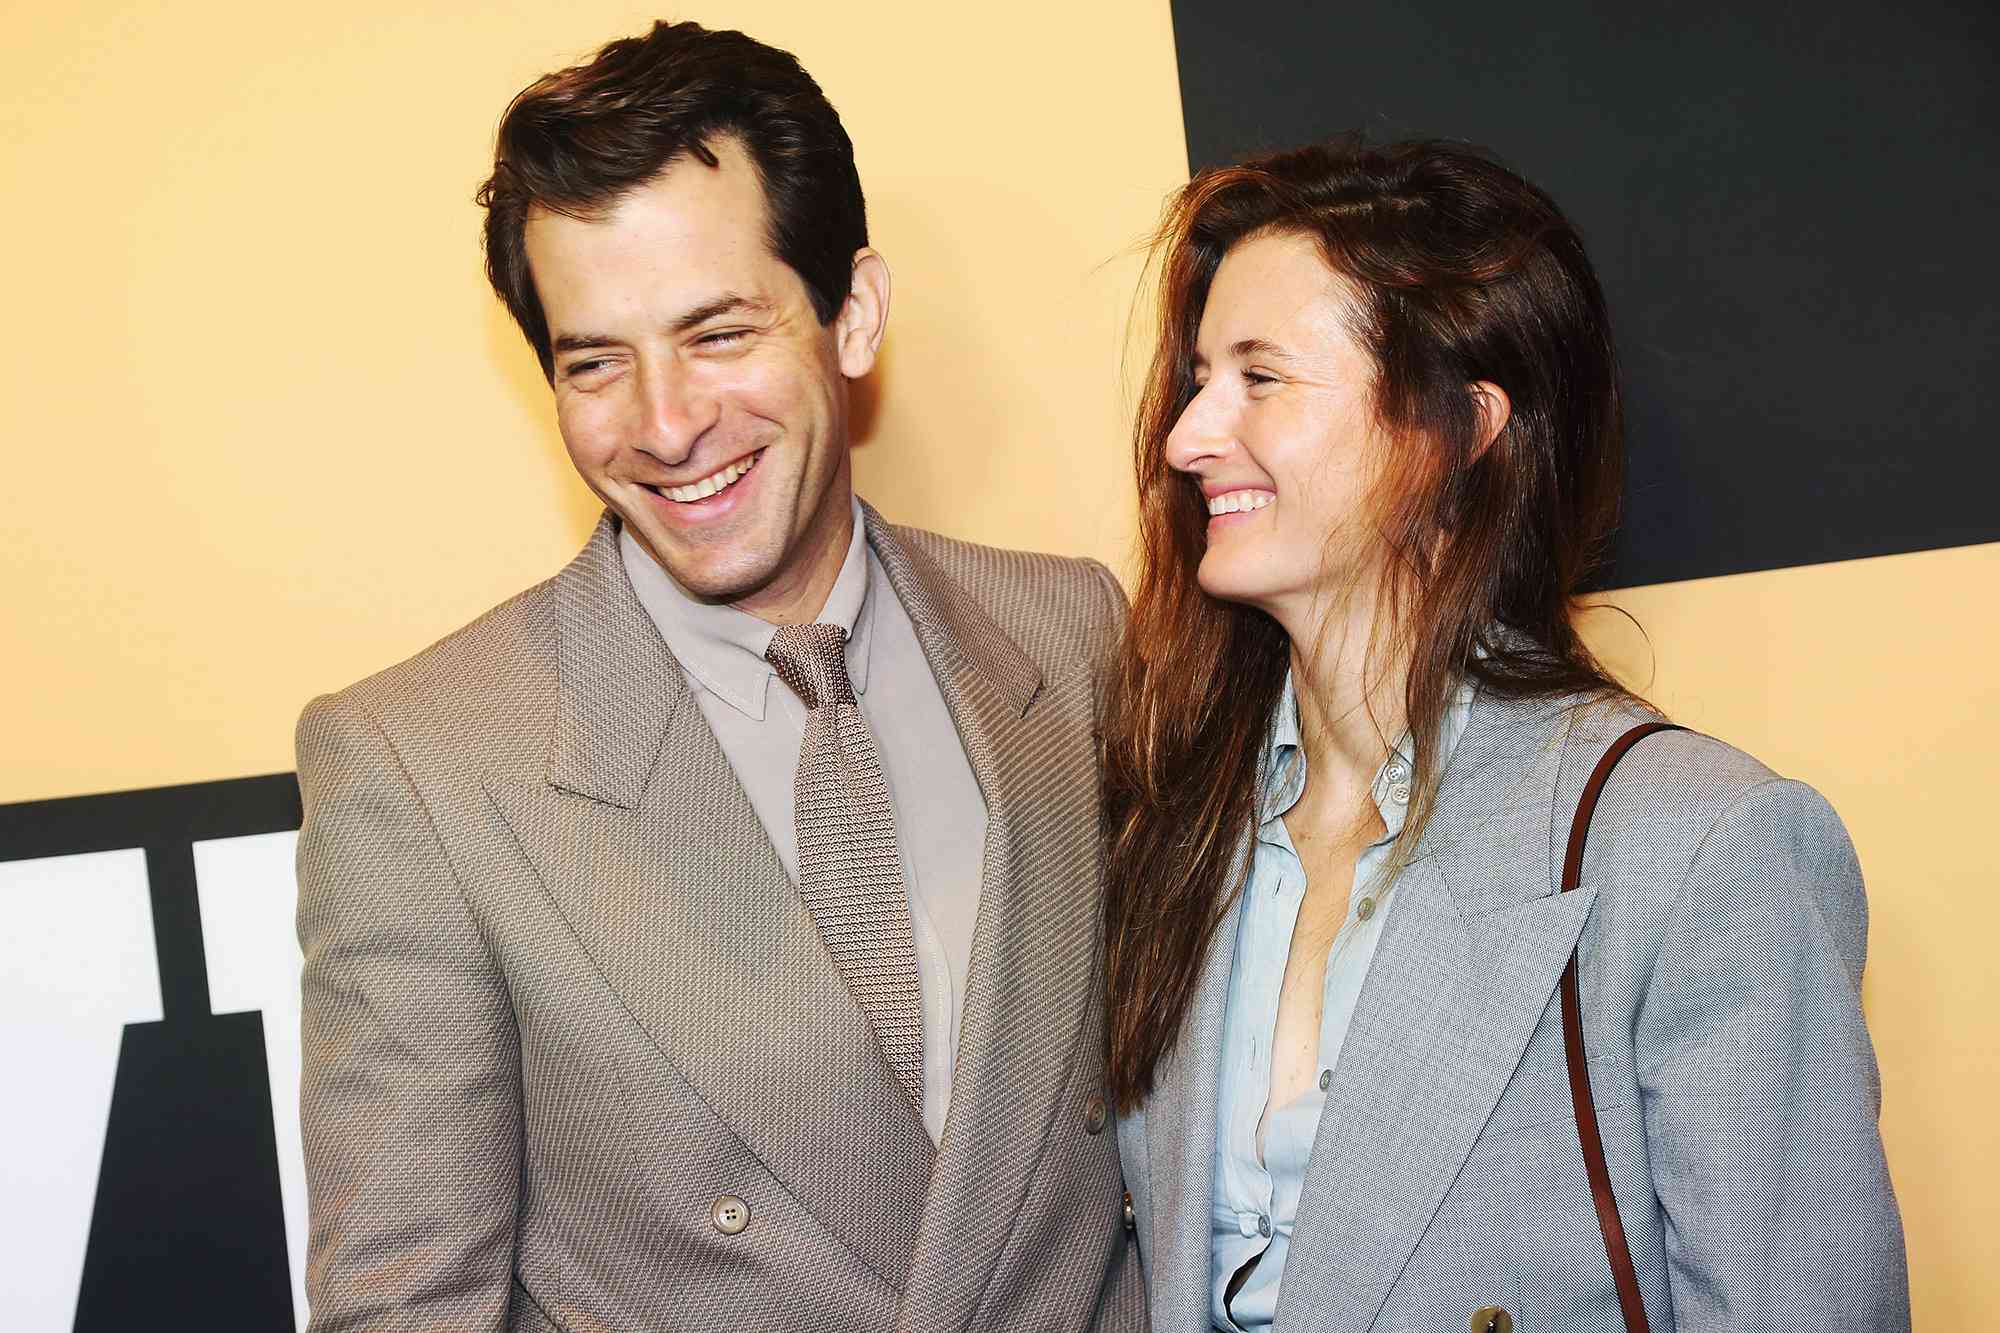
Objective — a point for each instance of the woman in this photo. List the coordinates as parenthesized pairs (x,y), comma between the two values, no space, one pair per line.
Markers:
(1378,451)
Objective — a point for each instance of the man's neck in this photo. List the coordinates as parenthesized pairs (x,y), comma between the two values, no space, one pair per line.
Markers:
(799,593)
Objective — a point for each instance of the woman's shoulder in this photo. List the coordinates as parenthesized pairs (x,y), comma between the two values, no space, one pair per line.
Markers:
(1686,817)
(1680,771)
(1702,766)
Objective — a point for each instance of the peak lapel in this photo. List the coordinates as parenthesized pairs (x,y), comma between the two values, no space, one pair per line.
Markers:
(619,686)
(1475,943)
(1034,946)
(648,846)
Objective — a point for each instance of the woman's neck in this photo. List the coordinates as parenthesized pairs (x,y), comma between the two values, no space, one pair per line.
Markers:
(1351,712)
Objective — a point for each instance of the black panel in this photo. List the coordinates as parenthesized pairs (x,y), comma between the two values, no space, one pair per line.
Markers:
(1792,208)
(189,1214)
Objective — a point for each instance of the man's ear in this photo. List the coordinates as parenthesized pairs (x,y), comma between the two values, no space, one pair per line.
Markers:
(857,329)
(1495,410)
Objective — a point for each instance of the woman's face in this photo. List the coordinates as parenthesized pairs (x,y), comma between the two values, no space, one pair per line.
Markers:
(1282,434)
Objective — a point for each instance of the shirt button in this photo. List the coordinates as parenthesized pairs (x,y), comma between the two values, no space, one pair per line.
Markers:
(1365,908)
(1264,1227)
(1400,793)
(730,1215)
(1325,1079)
(1398,774)
(1094,1116)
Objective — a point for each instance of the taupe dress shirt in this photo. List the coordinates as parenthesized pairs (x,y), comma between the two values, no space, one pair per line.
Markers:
(940,814)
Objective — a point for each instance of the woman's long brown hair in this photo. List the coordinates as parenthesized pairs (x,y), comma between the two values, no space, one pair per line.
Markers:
(1462,272)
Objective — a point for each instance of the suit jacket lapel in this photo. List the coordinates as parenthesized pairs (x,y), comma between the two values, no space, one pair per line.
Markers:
(647,844)
(1180,1139)
(1035,943)
(1469,958)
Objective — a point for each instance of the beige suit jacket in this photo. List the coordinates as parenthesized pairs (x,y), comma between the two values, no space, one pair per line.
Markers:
(561,1001)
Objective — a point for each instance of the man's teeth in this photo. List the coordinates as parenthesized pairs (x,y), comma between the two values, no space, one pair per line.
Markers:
(1236,502)
(708,486)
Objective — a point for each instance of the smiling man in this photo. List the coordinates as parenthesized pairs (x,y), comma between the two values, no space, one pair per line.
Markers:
(708,937)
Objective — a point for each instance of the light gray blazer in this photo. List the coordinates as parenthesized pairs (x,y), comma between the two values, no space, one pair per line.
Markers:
(1722,930)
(564,1012)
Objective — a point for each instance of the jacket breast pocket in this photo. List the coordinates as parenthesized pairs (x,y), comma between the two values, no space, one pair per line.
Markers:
(1539,1093)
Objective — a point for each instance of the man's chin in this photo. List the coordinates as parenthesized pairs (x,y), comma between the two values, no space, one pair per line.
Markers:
(711,576)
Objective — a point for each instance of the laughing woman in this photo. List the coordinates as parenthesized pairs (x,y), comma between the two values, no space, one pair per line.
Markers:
(1348,746)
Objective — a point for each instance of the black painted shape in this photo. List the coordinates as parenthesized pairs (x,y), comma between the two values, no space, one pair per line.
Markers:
(189,1227)
(1790,207)
(177,932)
(150,817)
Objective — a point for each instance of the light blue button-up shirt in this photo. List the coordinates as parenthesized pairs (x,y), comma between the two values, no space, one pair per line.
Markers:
(1257,1194)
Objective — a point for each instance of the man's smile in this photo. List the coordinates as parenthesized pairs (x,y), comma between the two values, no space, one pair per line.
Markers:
(714,483)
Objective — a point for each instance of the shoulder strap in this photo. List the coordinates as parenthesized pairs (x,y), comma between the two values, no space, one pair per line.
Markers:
(1615,1247)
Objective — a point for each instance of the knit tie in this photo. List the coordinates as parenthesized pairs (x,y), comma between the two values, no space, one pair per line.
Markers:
(849,872)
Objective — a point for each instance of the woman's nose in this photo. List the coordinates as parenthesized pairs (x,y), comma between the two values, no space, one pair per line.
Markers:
(1201,434)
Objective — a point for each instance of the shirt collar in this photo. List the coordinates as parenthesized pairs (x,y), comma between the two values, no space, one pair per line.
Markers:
(1284,756)
(722,649)
(1285,761)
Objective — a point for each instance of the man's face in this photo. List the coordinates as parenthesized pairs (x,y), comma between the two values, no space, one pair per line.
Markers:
(697,392)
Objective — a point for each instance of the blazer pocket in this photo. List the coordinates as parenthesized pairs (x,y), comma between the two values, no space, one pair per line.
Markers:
(1538,1095)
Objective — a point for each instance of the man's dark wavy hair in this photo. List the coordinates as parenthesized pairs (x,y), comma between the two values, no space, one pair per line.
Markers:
(576,141)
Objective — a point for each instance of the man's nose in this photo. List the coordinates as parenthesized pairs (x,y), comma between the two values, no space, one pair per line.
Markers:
(675,411)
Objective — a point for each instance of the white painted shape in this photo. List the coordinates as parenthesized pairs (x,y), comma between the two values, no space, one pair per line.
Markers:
(249,892)
(79,964)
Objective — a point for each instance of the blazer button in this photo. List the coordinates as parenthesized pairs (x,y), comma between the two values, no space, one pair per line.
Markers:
(1131,1218)
(1094,1116)
(1492,1319)
(730,1215)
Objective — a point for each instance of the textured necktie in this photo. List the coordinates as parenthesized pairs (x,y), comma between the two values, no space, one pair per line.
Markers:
(849,873)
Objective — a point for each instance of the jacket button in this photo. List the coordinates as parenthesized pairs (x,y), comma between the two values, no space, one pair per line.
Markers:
(1131,1218)
(730,1215)
(1094,1116)
(1492,1319)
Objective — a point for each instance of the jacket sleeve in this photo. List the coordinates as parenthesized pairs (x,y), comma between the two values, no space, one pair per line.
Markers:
(1759,1084)
(410,1094)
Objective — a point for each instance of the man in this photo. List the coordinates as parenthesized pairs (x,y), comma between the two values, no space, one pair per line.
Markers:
(707,937)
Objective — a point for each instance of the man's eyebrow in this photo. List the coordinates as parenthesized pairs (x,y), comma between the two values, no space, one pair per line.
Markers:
(725,304)
(582,342)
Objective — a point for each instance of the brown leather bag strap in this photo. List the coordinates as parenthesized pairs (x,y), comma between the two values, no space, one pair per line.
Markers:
(1615,1247)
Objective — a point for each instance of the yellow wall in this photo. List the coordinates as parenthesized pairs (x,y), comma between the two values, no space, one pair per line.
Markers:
(268,431)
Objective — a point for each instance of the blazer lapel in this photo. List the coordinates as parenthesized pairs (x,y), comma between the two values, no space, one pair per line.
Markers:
(645,841)
(1180,1139)
(1035,942)
(1468,961)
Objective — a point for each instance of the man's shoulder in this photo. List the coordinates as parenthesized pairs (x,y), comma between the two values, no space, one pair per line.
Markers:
(489,675)
(1052,606)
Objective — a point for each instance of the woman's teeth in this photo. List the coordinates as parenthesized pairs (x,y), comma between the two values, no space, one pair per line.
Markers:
(1236,502)
(709,485)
